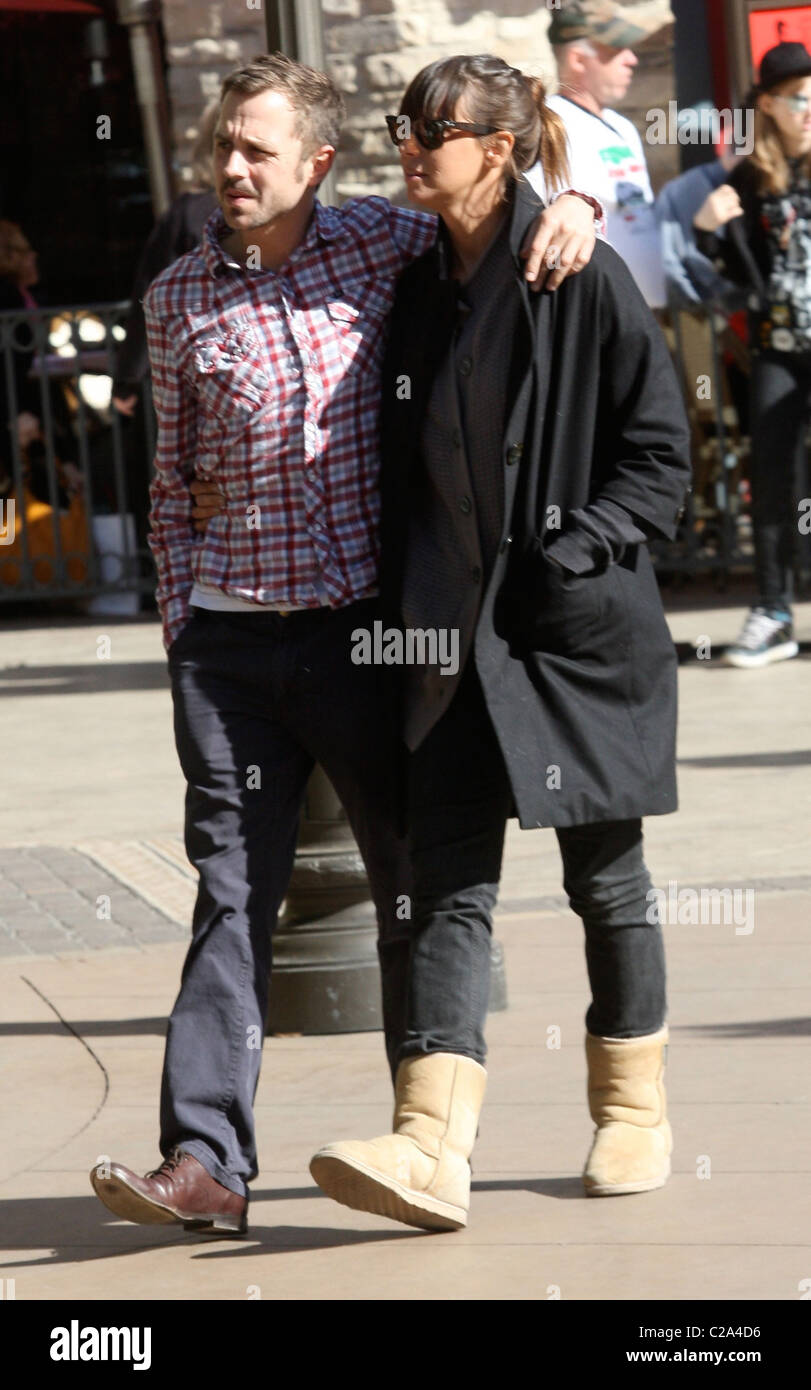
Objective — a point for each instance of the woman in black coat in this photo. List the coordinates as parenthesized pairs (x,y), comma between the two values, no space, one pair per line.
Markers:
(531,446)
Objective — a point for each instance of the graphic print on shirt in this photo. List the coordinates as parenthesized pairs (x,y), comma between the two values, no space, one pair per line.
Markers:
(629,192)
(784,322)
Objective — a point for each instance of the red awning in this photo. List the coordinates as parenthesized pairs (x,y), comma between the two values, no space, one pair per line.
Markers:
(50,7)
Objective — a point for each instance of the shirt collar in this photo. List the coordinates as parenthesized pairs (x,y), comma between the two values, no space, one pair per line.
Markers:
(324,227)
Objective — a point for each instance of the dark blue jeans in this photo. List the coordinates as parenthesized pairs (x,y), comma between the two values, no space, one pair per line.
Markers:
(459,803)
(259,699)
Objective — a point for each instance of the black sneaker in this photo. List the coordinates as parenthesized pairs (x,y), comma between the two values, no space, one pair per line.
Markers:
(766,636)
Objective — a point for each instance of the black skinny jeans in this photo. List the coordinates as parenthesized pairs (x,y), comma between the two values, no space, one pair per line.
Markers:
(460,800)
(781,405)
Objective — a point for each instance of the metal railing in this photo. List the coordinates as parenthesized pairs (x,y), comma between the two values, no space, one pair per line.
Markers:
(74,473)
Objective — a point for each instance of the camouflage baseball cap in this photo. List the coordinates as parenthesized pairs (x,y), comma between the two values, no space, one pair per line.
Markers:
(617,26)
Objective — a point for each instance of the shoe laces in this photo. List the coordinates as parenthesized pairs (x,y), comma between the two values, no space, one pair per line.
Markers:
(758,628)
(173,1161)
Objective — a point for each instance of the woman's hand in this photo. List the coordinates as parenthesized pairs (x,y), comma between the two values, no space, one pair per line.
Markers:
(718,209)
(560,242)
(209,502)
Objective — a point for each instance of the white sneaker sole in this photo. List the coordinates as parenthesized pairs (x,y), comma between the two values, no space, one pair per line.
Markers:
(740,659)
(354,1185)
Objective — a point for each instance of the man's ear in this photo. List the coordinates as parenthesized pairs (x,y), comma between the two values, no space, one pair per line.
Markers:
(320,163)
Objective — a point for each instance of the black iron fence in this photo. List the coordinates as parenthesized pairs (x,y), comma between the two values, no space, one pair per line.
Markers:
(75,471)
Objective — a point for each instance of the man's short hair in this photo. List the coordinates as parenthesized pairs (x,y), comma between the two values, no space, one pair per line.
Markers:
(574,45)
(318,104)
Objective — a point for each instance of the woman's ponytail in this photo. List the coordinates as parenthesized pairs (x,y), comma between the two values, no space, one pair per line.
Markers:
(551,151)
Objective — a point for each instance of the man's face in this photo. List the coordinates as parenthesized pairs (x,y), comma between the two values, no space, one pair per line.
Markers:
(259,171)
(608,75)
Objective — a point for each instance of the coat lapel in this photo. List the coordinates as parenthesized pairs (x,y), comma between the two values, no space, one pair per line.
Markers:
(529,368)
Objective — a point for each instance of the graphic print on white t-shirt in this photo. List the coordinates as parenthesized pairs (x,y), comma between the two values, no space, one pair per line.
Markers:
(606,158)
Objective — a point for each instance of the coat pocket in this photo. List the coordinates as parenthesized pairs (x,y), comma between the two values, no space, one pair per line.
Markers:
(547,608)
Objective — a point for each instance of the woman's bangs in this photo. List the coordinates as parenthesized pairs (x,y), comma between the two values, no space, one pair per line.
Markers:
(433,93)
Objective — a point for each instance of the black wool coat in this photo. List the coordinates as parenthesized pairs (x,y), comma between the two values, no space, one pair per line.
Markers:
(578,669)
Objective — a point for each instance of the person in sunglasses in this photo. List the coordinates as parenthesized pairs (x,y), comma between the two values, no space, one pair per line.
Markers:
(541,442)
(756,228)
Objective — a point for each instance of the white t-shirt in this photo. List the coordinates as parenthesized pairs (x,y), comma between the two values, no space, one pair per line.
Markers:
(606,158)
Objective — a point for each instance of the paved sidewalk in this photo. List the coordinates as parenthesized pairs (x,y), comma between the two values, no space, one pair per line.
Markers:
(93,811)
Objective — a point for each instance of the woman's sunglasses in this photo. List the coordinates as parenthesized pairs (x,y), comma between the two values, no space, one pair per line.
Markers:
(796,103)
(430,131)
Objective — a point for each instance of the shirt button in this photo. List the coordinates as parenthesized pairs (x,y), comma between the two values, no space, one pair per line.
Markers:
(465,506)
(466,366)
(514,453)
(505,544)
(476,575)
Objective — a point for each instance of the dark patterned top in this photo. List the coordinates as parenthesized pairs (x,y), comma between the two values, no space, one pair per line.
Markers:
(457,519)
(783,322)
(768,250)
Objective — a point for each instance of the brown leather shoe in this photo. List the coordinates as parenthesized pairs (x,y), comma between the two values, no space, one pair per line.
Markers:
(179,1191)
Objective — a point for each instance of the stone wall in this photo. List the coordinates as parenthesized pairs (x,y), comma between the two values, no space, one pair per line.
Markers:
(203,43)
(373,48)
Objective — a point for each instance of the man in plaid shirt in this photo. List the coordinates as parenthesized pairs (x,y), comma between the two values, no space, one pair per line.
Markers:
(265,345)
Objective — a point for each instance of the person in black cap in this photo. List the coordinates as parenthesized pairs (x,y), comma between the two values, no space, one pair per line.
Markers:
(757,227)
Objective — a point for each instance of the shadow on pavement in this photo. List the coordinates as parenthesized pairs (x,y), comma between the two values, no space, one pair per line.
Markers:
(794,757)
(687,654)
(767,1028)
(101,676)
(78,1230)
(565,1189)
(98,1028)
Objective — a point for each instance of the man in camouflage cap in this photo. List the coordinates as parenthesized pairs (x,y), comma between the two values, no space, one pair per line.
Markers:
(602,21)
(593,42)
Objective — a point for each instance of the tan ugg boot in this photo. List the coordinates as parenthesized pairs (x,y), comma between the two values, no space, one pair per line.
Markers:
(632,1144)
(420,1174)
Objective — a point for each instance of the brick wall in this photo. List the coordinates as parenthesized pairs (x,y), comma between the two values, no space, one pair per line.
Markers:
(373,48)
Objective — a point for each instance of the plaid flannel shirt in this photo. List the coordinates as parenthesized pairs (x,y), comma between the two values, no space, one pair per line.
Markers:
(269,382)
